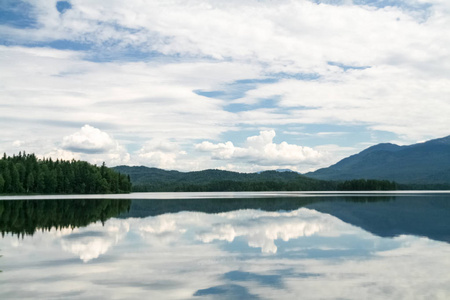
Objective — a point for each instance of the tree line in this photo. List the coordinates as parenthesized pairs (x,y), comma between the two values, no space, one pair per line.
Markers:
(367,185)
(26,174)
(300,184)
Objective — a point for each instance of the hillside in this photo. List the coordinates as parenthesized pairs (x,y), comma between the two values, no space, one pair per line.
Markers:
(422,163)
(146,179)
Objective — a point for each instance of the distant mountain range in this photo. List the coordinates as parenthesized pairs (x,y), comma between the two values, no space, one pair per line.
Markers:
(415,166)
(422,163)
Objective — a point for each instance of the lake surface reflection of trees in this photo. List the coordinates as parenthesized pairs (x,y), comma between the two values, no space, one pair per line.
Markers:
(384,215)
(24,217)
(145,207)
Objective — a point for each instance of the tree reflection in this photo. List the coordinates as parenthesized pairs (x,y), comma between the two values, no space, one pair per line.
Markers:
(24,217)
(144,207)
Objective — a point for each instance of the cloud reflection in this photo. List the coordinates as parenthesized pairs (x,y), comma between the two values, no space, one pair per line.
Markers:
(91,242)
(261,229)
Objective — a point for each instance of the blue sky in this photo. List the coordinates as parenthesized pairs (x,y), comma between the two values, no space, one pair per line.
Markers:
(237,85)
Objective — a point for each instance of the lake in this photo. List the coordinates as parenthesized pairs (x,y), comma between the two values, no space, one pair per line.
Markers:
(280,245)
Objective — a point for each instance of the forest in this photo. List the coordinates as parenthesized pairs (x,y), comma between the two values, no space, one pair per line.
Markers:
(367,185)
(26,174)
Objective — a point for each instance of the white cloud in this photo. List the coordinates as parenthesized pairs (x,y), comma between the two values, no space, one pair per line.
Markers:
(89,140)
(93,145)
(261,151)
(218,151)
(62,154)
(160,153)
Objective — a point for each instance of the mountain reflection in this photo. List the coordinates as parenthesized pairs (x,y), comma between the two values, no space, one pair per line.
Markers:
(387,216)
(24,217)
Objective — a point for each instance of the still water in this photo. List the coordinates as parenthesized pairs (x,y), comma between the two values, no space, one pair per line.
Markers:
(227,246)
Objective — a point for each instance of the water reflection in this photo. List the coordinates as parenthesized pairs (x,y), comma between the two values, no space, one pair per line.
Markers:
(248,253)
(154,207)
(425,215)
(419,215)
(261,229)
(24,217)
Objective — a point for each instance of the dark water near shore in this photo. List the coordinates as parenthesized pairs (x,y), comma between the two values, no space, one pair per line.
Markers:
(226,246)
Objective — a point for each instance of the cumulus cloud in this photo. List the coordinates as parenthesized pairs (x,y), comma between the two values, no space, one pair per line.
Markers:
(260,150)
(89,140)
(93,145)
(62,154)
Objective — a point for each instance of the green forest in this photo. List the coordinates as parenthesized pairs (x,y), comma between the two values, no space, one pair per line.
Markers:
(367,185)
(26,174)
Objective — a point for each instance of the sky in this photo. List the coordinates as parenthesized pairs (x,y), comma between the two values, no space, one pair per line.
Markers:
(246,85)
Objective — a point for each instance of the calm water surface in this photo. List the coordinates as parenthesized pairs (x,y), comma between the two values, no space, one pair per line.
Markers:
(226,246)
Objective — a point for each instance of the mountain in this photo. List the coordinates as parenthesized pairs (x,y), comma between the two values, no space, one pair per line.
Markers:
(146,179)
(422,163)
(143,175)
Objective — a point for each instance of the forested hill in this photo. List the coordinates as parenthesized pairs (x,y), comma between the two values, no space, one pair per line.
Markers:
(26,174)
(146,179)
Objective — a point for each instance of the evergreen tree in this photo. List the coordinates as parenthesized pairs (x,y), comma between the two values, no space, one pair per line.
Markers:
(30,183)
(2,183)
(25,173)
